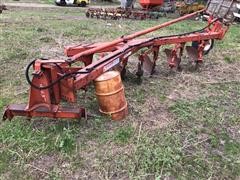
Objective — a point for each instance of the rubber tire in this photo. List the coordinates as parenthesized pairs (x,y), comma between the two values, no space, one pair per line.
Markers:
(87,14)
(83,4)
(195,44)
(62,3)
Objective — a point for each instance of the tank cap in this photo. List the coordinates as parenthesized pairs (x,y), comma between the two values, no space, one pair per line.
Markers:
(107,75)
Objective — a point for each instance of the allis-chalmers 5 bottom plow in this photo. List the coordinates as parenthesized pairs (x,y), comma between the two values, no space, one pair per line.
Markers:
(55,80)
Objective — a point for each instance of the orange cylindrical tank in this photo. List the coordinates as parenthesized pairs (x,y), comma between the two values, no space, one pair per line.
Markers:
(110,95)
(146,4)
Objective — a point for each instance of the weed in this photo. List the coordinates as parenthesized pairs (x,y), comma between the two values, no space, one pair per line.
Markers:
(123,134)
(139,95)
(65,141)
(5,159)
(3,102)
(46,39)
(228,59)
(154,154)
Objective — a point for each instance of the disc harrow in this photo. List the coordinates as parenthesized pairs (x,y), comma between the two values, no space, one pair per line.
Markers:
(121,13)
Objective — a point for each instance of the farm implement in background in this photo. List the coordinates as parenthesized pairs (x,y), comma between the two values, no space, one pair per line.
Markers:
(55,80)
(151,9)
(81,3)
(189,6)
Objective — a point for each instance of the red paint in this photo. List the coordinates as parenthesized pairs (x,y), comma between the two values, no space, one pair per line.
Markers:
(146,4)
(47,102)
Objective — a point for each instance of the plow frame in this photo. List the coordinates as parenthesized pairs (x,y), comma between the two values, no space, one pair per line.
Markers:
(56,80)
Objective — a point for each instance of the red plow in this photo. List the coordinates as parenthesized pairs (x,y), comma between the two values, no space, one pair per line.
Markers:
(55,80)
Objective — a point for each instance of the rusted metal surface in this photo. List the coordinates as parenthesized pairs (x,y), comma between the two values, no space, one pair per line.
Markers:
(56,80)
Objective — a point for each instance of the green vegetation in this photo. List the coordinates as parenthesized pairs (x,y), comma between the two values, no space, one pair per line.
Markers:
(182,125)
(30,1)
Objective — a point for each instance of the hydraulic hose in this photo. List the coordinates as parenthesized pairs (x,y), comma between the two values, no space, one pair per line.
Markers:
(52,83)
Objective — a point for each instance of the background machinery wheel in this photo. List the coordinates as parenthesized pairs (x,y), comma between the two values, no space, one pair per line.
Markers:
(60,2)
(83,4)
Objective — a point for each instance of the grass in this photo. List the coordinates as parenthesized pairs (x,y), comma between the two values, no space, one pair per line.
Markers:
(199,145)
(192,135)
(94,2)
(30,1)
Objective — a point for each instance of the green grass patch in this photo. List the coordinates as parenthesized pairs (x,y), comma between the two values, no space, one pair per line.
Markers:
(123,134)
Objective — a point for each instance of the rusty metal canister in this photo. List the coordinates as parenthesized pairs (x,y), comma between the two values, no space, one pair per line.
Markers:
(110,95)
